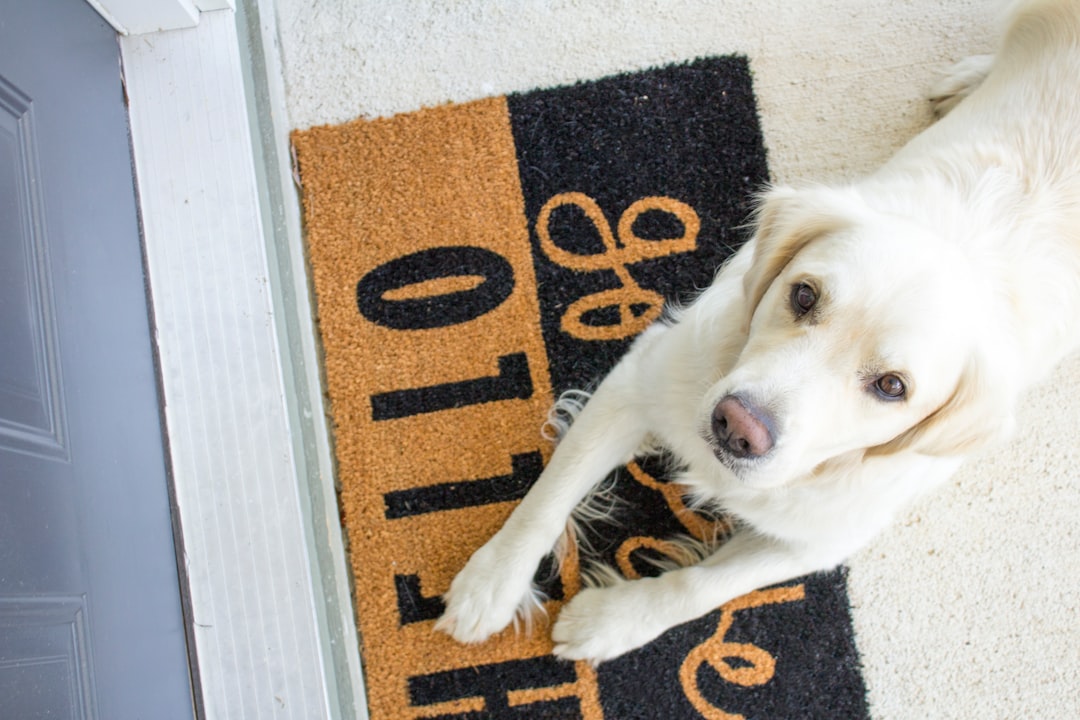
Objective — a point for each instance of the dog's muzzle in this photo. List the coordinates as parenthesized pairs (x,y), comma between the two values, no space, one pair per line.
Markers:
(741,429)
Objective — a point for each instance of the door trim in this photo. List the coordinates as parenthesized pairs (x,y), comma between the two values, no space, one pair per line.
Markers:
(130,17)
(271,608)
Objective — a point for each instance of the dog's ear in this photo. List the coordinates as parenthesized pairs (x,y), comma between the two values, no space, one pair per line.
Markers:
(786,221)
(979,412)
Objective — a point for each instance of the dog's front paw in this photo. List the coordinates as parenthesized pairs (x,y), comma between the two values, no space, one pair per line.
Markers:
(487,595)
(602,623)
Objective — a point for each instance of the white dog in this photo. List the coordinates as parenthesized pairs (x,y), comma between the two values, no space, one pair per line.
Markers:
(847,359)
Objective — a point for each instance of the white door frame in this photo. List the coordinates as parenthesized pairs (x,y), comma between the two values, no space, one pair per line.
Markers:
(272,620)
(132,17)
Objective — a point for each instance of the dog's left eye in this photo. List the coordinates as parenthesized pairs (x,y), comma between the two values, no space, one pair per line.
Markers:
(803,298)
(890,387)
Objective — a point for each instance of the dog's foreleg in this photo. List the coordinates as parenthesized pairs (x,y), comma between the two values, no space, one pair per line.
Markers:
(496,583)
(603,623)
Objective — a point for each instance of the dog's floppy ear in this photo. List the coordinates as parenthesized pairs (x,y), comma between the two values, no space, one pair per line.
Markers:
(786,221)
(979,411)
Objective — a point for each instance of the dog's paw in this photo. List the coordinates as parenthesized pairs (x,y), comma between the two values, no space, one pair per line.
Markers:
(603,623)
(486,596)
(958,82)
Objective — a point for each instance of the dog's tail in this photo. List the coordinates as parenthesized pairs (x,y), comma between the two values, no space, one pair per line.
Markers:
(1036,24)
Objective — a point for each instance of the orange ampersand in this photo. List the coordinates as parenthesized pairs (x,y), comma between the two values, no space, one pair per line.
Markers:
(757,667)
(708,530)
(621,249)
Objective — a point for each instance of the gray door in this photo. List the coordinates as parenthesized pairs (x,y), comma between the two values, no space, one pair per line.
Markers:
(90,610)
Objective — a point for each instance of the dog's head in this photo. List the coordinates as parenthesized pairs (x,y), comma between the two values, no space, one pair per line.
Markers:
(866,333)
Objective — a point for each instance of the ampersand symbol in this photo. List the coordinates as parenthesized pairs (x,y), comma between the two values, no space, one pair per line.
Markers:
(756,666)
(621,249)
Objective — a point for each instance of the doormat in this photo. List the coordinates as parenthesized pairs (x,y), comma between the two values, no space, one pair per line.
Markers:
(472,262)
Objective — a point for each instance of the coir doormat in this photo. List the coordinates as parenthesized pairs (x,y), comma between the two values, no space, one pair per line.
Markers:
(473,261)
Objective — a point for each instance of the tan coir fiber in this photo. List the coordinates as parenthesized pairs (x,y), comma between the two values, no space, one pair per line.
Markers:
(374,192)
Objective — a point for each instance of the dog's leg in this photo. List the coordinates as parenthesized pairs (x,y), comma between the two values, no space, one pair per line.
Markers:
(958,82)
(603,623)
(496,583)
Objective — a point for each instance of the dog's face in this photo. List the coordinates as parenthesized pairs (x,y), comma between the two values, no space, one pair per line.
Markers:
(863,335)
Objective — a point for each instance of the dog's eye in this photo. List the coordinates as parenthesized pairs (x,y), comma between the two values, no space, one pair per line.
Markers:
(890,387)
(803,298)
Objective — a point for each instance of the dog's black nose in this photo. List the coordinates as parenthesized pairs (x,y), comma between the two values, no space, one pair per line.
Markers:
(740,428)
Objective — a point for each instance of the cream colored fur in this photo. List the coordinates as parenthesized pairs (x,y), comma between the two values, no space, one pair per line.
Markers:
(955,268)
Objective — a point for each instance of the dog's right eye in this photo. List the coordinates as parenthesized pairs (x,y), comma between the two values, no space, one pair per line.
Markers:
(803,298)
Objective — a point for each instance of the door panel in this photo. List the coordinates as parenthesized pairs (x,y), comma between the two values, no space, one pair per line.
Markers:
(45,672)
(30,415)
(90,612)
